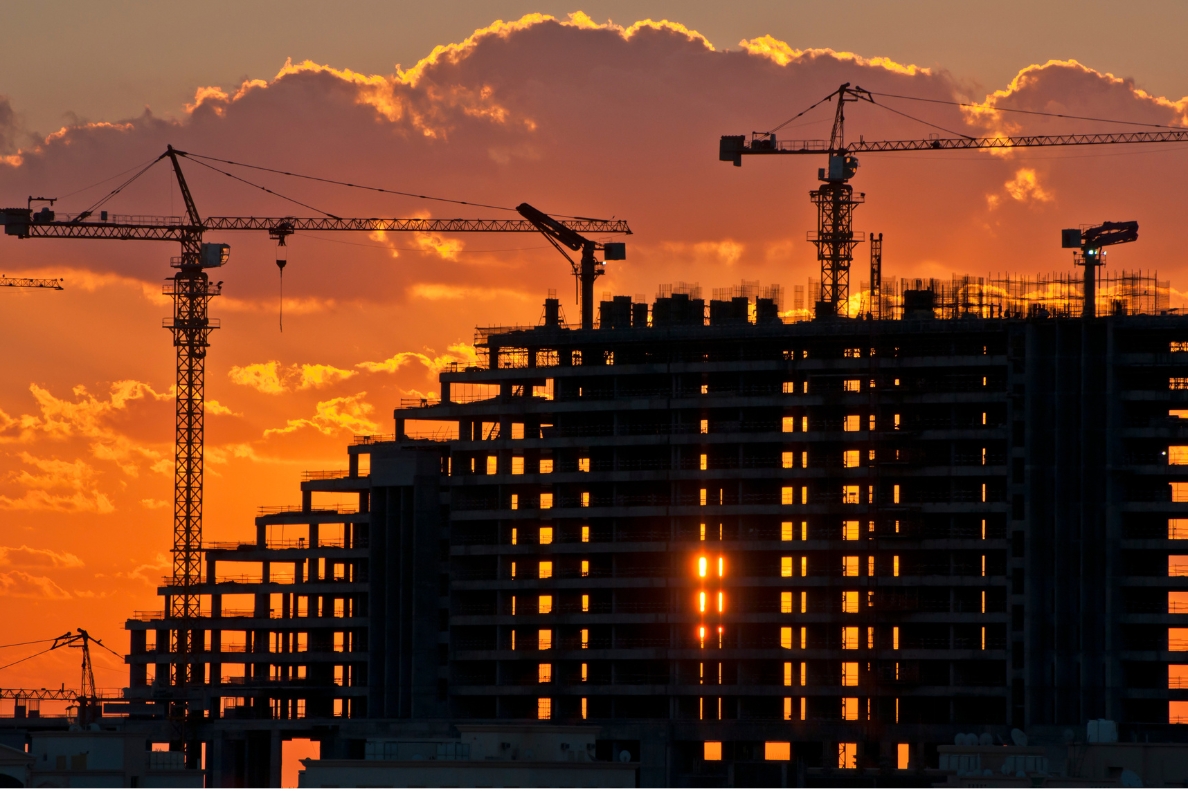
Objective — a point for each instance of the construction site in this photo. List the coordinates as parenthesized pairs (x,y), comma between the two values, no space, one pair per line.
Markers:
(914,532)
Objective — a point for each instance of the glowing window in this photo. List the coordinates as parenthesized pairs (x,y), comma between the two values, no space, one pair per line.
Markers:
(849,674)
(513,569)
(787,708)
(852,385)
(789,425)
(1177,454)
(854,353)
(544,674)
(546,466)
(704,426)
(585,672)
(544,708)
(787,674)
(786,602)
(704,462)
(546,535)
(785,637)
(850,566)
(515,502)
(1177,712)
(851,458)
(849,601)
(1177,639)
(705,389)
(849,712)
(786,531)
(787,495)
(785,567)
(789,387)
(585,568)
(895,638)
(513,536)
(544,639)
(585,500)
(492,465)
(702,497)
(895,566)
(777,751)
(902,753)
(851,495)
(585,534)
(1179,414)
(584,464)
(1179,346)
(517,465)
(544,605)
(546,500)
(517,430)
(713,751)
(787,460)
(804,420)
(1177,601)
(585,602)
(852,423)
(850,530)
(546,569)
(585,638)
(1177,676)
(1177,529)
(1177,565)
(1177,383)
(895,493)
(804,601)
(849,638)
(804,565)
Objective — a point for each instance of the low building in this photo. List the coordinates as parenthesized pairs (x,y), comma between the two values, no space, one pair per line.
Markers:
(481,755)
(110,759)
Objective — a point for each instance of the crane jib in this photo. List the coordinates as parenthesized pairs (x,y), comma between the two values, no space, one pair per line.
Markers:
(734,145)
(24,224)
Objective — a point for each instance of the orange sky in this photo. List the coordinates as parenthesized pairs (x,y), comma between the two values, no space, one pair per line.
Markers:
(573,117)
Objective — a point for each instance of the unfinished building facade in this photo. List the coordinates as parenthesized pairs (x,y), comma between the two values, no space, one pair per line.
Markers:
(741,544)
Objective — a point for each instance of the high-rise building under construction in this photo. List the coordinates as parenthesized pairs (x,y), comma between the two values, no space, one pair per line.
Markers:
(730,541)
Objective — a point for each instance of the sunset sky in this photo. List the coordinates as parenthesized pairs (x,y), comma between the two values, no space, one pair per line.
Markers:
(600,109)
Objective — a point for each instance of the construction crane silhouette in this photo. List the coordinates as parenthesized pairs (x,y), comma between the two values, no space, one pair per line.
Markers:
(588,269)
(86,697)
(191,290)
(835,200)
(54,283)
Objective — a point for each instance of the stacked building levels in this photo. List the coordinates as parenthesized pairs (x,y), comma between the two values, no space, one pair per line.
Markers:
(740,542)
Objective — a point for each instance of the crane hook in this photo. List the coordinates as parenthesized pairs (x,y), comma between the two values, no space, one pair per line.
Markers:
(282,258)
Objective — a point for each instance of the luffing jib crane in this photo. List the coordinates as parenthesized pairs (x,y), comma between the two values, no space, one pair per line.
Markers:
(561,236)
(835,200)
(192,290)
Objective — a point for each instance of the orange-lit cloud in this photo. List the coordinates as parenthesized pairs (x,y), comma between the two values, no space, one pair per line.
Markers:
(29,557)
(574,116)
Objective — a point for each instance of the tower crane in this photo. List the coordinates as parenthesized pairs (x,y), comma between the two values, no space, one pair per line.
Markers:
(86,697)
(588,269)
(835,200)
(191,290)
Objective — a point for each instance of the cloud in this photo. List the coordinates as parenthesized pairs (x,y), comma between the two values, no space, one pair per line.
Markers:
(349,413)
(19,585)
(444,291)
(56,485)
(150,573)
(152,505)
(259,376)
(781,53)
(322,375)
(1025,187)
(28,557)
(272,378)
(457,354)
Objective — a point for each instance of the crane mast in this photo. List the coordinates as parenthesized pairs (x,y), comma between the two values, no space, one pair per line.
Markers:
(835,200)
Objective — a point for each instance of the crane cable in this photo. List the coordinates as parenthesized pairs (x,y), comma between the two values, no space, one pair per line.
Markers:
(260,187)
(1025,112)
(196,157)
